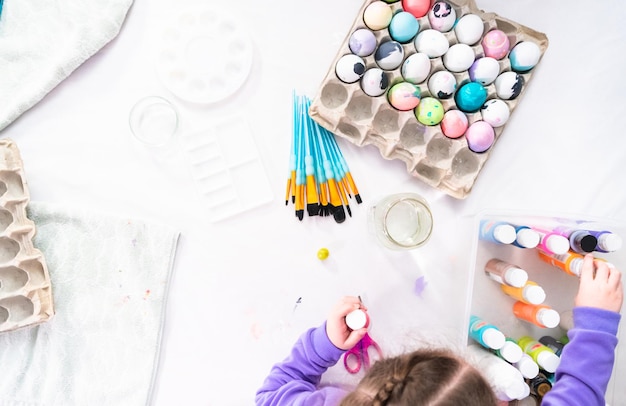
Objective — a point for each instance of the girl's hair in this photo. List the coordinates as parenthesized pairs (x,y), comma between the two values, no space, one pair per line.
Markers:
(430,377)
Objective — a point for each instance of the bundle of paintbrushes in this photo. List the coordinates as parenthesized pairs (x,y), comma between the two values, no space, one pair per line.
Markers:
(319,178)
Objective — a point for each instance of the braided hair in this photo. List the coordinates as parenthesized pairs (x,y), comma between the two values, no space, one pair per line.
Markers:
(425,377)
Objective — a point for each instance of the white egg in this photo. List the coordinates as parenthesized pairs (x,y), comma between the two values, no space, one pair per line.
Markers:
(442,84)
(524,56)
(509,85)
(495,112)
(374,82)
(469,29)
(416,68)
(432,43)
(442,16)
(484,70)
(350,68)
(459,58)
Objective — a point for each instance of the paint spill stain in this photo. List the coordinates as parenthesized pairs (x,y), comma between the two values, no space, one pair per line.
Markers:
(133,242)
(297,303)
(420,285)
(256,330)
(145,296)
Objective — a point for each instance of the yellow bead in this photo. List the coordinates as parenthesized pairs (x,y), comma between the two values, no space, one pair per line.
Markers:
(322,254)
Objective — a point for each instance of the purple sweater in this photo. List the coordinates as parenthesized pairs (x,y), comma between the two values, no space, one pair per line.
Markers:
(587,360)
(295,380)
(581,379)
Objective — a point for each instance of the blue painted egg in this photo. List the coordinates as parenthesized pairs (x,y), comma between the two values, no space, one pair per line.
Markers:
(470,97)
(389,55)
(403,27)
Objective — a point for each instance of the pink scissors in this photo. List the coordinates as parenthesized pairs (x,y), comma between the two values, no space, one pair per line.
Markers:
(360,353)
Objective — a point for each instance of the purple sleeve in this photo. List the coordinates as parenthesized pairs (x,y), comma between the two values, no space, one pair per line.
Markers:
(587,360)
(294,381)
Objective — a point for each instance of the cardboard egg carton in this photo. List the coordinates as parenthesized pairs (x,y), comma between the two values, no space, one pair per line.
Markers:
(25,289)
(444,163)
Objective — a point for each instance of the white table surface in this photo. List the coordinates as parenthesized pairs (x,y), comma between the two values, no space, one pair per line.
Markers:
(230,312)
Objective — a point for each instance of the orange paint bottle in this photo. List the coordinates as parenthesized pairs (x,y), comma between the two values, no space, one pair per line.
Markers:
(540,315)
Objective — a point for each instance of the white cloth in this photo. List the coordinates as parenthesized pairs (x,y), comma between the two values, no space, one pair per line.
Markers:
(110,278)
(43,41)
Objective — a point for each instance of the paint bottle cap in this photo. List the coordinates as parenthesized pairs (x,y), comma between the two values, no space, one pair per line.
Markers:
(527,238)
(548,317)
(511,352)
(576,266)
(609,242)
(505,233)
(548,360)
(527,366)
(534,294)
(516,277)
(357,319)
(587,243)
(493,338)
(557,244)
(513,391)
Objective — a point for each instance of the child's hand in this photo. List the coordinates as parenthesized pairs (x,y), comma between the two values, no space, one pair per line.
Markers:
(601,288)
(337,330)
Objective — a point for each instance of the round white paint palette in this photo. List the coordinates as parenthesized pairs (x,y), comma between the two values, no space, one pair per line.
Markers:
(205,55)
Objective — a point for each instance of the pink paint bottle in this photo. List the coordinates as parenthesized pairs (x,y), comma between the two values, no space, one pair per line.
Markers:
(553,242)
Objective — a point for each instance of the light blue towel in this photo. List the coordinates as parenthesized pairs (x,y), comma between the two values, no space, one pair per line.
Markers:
(110,278)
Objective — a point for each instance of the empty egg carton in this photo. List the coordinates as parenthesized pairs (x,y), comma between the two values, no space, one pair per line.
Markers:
(440,161)
(25,289)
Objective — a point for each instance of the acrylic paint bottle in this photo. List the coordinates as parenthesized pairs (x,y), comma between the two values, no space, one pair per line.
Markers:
(496,231)
(527,366)
(530,293)
(553,344)
(542,355)
(582,241)
(540,385)
(553,243)
(505,273)
(540,315)
(526,237)
(505,380)
(607,241)
(510,351)
(570,262)
(487,335)
(357,319)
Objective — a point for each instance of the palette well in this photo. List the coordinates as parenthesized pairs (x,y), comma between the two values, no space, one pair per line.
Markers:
(403,82)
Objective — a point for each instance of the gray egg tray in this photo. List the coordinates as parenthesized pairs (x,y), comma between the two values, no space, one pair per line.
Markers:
(25,289)
(441,162)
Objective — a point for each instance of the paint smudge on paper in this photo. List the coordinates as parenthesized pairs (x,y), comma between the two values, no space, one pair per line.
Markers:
(420,285)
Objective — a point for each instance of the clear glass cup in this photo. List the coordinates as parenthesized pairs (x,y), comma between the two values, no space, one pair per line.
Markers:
(401,221)
(154,121)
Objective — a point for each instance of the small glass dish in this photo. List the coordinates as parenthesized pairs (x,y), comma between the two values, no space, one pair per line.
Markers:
(154,121)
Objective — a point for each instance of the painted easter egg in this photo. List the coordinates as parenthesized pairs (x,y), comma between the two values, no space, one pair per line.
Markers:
(429,111)
(350,68)
(404,96)
(432,43)
(416,68)
(374,82)
(470,97)
(454,123)
(495,112)
(442,84)
(484,70)
(403,27)
(496,44)
(389,55)
(377,15)
(524,56)
(362,42)
(442,16)
(469,29)
(509,85)
(459,58)
(419,8)
(480,136)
